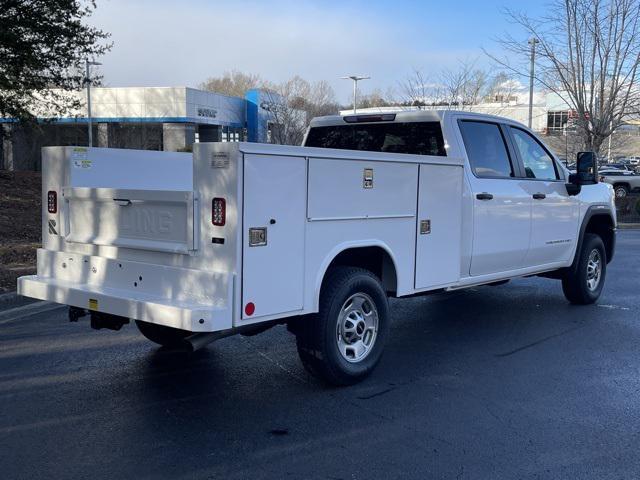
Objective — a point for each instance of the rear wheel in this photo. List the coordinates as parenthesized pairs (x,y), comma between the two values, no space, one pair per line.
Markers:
(343,342)
(165,336)
(584,285)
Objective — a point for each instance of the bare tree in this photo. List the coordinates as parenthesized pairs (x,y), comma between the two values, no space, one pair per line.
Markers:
(233,83)
(377,99)
(321,100)
(459,88)
(293,104)
(588,54)
(417,89)
(502,89)
(463,86)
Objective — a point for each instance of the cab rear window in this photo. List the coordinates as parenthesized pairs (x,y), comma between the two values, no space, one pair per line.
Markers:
(417,138)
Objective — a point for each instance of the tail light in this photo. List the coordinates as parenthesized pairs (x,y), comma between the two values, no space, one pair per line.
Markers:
(52,201)
(219,212)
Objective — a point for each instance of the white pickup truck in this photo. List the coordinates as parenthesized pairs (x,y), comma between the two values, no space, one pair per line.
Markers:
(238,236)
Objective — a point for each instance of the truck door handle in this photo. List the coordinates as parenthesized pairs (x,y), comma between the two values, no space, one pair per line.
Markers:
(539,196)
(484,196)
(123,202)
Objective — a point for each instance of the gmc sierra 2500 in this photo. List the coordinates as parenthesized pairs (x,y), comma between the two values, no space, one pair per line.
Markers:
(238,236)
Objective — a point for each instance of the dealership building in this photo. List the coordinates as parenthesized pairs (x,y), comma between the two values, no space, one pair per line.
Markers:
(149,118)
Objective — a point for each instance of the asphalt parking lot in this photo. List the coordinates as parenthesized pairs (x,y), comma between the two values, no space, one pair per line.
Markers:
(493,382)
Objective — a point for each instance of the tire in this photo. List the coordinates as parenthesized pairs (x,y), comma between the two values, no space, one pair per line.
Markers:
(583,285)
(621,190)
(343,342)
(165,336)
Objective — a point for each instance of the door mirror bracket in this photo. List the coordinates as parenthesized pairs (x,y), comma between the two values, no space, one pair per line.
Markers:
(574,187)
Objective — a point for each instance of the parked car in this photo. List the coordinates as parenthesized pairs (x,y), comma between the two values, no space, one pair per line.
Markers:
(632,162)
(618,166)
(239,237)
(623,181)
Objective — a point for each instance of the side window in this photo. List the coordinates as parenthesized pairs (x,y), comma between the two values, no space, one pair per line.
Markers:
(537,162)
(486,149)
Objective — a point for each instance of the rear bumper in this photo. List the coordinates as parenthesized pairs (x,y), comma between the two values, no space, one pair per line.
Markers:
(98,284)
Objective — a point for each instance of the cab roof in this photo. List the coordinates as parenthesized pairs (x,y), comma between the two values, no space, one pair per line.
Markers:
(403,116)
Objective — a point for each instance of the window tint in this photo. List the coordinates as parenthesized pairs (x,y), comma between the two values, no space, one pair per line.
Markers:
(537,162)
(419,138)
(486,149)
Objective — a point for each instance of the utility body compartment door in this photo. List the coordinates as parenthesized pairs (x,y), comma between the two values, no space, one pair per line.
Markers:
(439,226)
(273,234)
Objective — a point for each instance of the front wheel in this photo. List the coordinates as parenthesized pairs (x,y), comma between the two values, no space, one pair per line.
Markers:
(584,285)
(343,342)
(165,336)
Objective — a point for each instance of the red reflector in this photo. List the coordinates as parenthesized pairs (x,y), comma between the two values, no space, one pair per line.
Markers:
(52,201)
(249,308)
(219,212)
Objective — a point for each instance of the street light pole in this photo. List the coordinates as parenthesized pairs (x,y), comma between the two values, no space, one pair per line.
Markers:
(87,80)
(609,146)
(356,79)
(532,41)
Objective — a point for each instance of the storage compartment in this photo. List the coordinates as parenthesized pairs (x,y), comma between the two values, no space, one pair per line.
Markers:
(360,189)
(439,226)
(273,235)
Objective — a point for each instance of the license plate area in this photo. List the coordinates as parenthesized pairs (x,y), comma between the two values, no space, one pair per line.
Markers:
(156,220)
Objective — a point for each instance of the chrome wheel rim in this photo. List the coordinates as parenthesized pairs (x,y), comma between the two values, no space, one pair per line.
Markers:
(357,327)
(594,270)
(621,193)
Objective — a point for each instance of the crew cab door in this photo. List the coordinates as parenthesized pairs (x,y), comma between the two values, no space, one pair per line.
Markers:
(554,213)
(501,206)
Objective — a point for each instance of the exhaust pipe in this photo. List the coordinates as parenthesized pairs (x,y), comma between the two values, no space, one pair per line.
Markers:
(199,340)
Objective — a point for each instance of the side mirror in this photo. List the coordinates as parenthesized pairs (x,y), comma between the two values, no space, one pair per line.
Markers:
(587,173)
(587,168)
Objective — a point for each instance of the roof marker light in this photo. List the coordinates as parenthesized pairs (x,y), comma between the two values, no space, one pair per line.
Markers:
(386,117)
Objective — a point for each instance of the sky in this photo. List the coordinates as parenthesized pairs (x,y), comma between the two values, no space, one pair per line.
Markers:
(181,43)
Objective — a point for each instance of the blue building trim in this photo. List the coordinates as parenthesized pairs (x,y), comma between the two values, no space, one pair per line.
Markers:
(252,98)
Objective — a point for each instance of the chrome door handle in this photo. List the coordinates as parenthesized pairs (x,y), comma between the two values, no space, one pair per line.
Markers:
(484,196)
(539,196)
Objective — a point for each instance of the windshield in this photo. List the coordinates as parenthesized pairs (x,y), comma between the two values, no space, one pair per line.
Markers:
(418,138)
